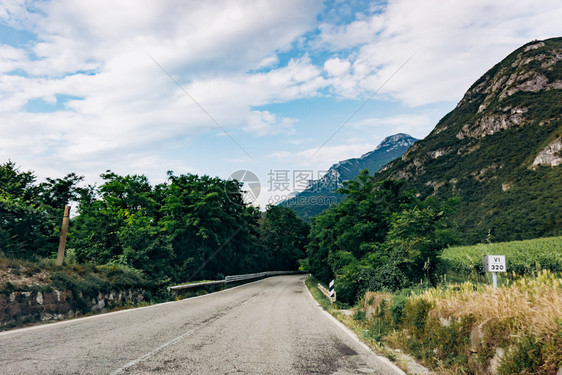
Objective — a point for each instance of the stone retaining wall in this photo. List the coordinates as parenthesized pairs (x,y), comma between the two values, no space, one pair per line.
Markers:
(20,308)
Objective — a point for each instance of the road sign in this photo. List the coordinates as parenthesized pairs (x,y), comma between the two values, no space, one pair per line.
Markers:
(494,263)
(332,291)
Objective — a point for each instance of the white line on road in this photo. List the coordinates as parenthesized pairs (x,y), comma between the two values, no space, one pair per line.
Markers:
(174,340)
(145,356)
(354,336)
(107,314)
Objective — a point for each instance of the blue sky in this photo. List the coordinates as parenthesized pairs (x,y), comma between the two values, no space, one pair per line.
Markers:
(85,85)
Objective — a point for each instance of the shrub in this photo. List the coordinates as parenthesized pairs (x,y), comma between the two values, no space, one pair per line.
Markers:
(533,356)
(458,328)
(359,315)
(396,309)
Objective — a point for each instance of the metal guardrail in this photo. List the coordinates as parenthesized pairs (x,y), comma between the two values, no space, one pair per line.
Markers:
(250,276)
(327,293)
(195,285)
(233,278)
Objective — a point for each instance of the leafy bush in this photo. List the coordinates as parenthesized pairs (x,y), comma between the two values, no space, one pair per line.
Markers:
(532,355)
(380,237)
(166,230)
(396,309)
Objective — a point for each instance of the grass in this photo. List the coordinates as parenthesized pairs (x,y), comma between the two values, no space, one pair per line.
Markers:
(458,328)
(470,327)
(85,281)
(531,305)
(522,257)
(312,285)
(358,323)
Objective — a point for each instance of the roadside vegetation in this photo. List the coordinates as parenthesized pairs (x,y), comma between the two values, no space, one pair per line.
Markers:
(87,279)
(470,327)
(473,329)
(391,253)
(522,258)
(188,228)
(128,236)
(464,328)
(396,266)
(380,237)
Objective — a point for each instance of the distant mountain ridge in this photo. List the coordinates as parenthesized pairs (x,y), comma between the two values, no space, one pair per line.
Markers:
(389,149)
(499,150)
(320,194)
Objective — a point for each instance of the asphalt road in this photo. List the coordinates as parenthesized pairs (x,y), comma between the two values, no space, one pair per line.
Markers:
(272,326)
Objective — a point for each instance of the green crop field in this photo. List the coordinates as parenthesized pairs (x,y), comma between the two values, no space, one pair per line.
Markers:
(522,257)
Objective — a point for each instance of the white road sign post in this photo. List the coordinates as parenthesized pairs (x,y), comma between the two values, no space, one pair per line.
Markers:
(494,264)
(332,292)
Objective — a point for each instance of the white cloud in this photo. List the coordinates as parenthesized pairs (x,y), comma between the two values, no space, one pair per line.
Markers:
(454,42)
(237,59)
(417,125)
(17,14)
(127,108)
(336,66)
(263,123)
(322,158)
(10,58)
(348,36)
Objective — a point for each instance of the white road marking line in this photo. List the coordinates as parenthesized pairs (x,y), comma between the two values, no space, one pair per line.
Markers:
(149,354)
(173,341)
(103,315)
(354,336)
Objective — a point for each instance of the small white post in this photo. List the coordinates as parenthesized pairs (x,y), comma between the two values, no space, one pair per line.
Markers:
(494,264)
(332,292)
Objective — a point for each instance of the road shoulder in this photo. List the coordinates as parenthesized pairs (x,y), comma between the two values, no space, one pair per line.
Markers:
(395,359)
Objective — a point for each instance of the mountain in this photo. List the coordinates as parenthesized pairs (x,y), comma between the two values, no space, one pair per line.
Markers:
(320,194)
(499,150)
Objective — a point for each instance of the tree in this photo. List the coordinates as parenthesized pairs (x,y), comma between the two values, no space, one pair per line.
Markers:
(356,224)
(209,224)
(379,237)
(417,235)
(30,214)
(284,236)
(190,227)
(118,223)
(59,192)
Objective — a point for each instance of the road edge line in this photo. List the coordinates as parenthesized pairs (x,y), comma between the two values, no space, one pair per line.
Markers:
(97,316)
(172,341)
(354,336)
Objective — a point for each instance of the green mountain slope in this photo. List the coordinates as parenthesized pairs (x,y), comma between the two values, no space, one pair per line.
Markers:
(500,150)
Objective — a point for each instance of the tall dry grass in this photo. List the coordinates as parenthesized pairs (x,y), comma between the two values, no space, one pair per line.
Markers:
(531,306)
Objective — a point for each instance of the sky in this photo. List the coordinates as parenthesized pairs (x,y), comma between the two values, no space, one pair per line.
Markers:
(279,88)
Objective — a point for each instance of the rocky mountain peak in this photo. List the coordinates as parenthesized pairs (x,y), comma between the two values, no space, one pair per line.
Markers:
(500,149)
(530,69)
(306,204)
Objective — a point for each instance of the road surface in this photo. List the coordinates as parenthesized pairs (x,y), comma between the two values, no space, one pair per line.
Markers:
(272,326)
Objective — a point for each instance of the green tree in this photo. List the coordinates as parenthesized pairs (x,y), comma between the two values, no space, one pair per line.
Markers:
(379,237)
(284,236)
(118,223)
(213,232)
(30,214)
(356,224)
(418,235)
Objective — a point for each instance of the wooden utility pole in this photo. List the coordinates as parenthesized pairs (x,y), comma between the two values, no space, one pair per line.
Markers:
(64,231)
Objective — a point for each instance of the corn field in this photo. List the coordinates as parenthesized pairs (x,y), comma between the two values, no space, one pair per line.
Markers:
(522,257)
